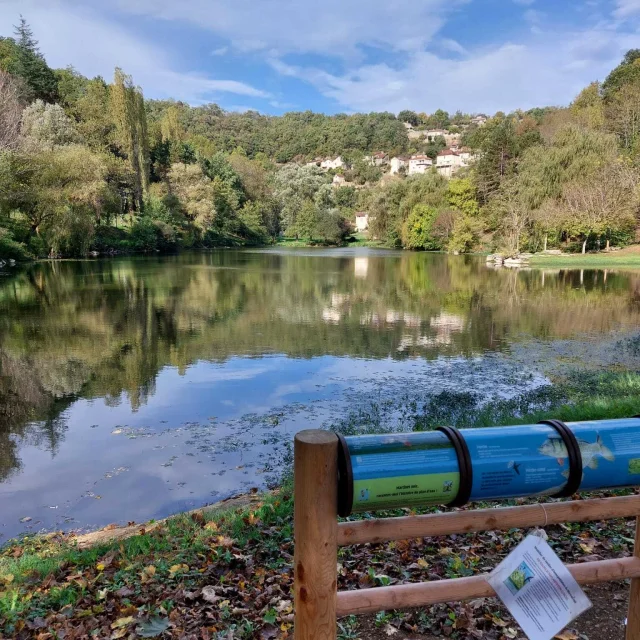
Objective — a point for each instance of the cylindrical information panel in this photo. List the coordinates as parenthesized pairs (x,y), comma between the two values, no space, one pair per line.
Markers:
(452,467)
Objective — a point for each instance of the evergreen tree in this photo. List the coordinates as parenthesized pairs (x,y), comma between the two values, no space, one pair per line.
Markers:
(31,65)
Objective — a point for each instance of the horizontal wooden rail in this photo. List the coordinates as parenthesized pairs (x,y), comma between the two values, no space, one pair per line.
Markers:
(442,524)
(427,593)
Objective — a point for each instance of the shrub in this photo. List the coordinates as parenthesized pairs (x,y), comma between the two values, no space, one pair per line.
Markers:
(465,234)
(108,239)
(10,249)
(143,235)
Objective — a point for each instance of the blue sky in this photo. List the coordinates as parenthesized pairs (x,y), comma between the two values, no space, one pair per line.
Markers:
(340,55)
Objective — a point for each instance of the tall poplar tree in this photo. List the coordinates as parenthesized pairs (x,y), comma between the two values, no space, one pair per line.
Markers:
(129,117)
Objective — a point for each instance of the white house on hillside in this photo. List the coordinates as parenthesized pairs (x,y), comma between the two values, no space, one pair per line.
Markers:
(435,133)
(362,220)
(397,163)
(336,163)
(448,162)
(419,164)
(338,180)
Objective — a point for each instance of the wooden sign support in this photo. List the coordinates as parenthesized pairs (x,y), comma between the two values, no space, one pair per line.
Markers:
(318,535)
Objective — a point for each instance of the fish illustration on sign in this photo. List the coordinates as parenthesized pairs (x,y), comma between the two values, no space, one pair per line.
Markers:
(556,448)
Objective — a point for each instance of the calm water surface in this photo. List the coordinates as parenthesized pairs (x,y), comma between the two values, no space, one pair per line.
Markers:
(138,387)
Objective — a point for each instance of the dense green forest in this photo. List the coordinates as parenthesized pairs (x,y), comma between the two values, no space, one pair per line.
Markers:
(88,165)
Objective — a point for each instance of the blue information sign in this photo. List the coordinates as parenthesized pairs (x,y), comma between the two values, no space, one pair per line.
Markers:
(452,467)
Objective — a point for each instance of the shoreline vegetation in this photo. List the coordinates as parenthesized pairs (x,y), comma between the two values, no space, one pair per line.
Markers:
(229,571)
(90,166)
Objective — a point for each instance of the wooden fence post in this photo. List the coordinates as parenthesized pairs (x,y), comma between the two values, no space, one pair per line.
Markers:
(315,530)
(633,616)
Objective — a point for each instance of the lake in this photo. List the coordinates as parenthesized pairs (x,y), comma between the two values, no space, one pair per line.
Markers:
(134,388)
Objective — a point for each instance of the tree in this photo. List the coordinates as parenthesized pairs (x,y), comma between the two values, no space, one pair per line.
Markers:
(461,194)
(465,235)
(71,86)
(251,215)
(627,72)
(62,192)
(417,231)
(588,107)
(501,142)
(94,117)
(607,200)
(293,186)
(129,117)
(30,65)
(306,221)
(330,226)
(195,193)
(11,92)
(48,124)
(409,116)
(622,113)
(439,119)
(514,214)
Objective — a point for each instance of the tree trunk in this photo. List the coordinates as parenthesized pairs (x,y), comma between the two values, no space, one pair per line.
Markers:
(607,248)
(584,246)
(545,242)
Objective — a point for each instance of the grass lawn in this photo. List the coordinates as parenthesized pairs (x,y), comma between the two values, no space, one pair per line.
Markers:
(229,574)
(628,258)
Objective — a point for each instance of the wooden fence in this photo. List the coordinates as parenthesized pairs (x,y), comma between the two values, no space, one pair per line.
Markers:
(318,535)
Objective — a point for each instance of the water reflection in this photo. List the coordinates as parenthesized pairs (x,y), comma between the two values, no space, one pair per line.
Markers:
(77,332)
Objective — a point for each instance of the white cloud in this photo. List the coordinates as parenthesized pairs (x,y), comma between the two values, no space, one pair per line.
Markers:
(452,45)
(627,8)
(73,34)
(220,51)
(332,28)
(504,77)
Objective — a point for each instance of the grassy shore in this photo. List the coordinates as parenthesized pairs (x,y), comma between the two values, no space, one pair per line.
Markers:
(229,573)
(615,260)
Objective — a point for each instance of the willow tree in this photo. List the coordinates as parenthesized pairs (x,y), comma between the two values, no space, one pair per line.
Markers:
(129,117)
(603,202)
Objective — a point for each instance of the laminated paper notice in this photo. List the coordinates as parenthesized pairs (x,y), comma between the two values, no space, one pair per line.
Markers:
(538,589)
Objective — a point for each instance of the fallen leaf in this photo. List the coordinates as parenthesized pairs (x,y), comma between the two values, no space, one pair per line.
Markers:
(567,634)
(152,627)
(268,632)
(123,622)
(422,563)
(390,630)
(147,574)
(198,518)
(209,594)
(177,568)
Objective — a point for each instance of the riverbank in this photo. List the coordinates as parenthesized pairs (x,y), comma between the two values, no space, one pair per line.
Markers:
(229,572)
(628,257)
